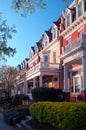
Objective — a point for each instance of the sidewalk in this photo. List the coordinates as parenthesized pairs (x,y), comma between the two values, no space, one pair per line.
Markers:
(3,125)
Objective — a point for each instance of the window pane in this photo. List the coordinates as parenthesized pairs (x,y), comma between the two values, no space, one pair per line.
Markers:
(46,58)
(85,5)
(74,15)
(68,20)
(80,9)
(77,85)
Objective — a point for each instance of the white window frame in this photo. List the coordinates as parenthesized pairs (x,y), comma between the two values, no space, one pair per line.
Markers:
(78,84)
(45,40)
(79,8)
(36,49)
(54,32)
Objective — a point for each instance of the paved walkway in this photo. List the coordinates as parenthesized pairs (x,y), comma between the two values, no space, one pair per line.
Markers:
(3,125)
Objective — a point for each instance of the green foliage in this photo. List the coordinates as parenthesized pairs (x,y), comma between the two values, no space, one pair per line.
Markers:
(47,94)
(2,101)
(13,116)
(5,34)
(7,79)
(63,115)
(18,98)
(27,6)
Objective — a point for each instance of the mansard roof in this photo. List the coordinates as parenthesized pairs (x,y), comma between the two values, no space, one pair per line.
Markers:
(32,48)
(26,59)
(58,21)
(38,43)
(49,33)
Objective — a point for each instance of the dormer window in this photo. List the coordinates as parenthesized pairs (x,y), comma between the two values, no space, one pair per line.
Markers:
(45,40)
(32,52)
(19,67)
(54,31)
(79,9)
(73,14)
(36,49)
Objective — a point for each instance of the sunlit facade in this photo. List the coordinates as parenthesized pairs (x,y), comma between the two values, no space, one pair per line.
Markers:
(43,68)
(74,49)
(58,59)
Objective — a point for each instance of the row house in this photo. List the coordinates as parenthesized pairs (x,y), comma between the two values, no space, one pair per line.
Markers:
(43,68)
(74,49)
(21,86)
(58,59)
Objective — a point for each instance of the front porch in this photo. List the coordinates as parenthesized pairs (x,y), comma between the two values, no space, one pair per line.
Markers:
(74,62)
(44,74)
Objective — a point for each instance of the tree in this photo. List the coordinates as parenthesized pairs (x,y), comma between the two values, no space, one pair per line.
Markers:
(29,6)
(6,34)
(25,6)
(7,79)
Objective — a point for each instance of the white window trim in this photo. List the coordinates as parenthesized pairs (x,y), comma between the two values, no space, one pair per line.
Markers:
(45,39)
(73,77)
(54,32)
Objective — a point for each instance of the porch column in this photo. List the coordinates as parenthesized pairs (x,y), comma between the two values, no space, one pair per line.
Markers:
(71,81)
(26,87)
(40,81)
(34,83)
(58,79)
(66,92)
(65,78)
(84,72)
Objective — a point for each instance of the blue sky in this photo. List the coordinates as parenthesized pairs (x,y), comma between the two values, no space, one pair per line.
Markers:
(31,28)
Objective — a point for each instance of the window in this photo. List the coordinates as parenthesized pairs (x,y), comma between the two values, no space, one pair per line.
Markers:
(76,84)
(69,41)
(54,56)
(68,20)
(80,9)
(46,59)
(85,5)
(54,33)
(36,49)
(74,15)
(80,33)
(45,41)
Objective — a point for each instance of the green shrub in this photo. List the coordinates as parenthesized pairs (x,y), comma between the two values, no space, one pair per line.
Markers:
(62,115)
(18,99)
(3,101)
(13,116)
(47,94)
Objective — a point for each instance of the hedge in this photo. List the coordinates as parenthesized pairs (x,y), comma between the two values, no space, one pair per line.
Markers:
(62,115)
(47,94)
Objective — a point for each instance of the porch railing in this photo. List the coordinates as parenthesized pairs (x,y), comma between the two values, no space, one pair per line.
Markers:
(76,44)
(43,65)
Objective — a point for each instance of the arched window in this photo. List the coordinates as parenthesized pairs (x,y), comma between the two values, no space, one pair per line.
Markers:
(36,49)
(31,52)
(45,40)
(54,32)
